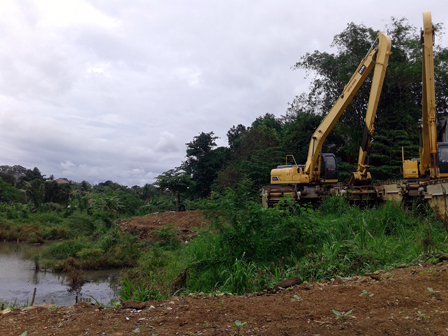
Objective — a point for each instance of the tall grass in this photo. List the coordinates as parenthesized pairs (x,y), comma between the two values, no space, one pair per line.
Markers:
(250,248)
(138,293)
(365,240)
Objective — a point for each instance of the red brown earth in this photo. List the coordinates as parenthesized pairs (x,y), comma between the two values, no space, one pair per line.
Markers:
(185,221)
(393,302)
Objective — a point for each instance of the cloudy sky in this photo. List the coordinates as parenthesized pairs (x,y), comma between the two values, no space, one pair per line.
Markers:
(113,89)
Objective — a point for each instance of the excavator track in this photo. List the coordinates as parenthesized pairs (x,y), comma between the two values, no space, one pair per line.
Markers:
(430,191)
(271,195)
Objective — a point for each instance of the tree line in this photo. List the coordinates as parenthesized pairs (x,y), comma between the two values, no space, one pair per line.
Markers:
(34,192)
(254,150)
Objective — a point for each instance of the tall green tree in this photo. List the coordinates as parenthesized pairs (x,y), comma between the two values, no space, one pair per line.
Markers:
(175,181)
(147,192)
(56,193)
(8,178)
(30,175)
(234,136)
(257,153)
(35,190)
(297,133)
(8,193)
(203,162)
(268,121)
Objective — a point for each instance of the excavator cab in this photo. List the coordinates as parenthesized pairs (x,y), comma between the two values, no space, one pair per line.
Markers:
(442,156)
(329,171)
(411,167)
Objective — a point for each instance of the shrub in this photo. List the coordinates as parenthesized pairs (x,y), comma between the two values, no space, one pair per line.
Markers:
(138,293)
(81,224)
(34,238)
(166,236)
(90,254)
(65,249)
(247,229)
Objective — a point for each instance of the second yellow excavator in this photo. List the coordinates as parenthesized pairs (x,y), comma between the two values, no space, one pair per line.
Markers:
(319,174)
(433,160)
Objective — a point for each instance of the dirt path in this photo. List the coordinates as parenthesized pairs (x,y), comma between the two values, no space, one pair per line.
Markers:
(394,302)
(401,305)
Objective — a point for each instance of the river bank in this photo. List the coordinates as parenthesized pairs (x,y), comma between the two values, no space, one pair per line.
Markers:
(393,302)
(19,278)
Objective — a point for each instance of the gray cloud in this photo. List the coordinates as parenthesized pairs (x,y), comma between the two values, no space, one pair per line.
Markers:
(110,90)
(167,143)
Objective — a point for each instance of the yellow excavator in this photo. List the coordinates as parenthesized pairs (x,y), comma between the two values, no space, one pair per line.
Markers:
(318,176)
(432,163)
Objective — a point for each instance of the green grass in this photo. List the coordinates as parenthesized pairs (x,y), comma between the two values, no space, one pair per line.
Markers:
(250,248)
(110,250)
(13,305)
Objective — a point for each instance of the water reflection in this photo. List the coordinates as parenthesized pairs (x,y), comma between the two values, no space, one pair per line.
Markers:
(18,278)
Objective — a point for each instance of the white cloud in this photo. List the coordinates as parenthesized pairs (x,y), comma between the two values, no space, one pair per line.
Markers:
(67,165)
(66,13)
(167,143)
(190,75)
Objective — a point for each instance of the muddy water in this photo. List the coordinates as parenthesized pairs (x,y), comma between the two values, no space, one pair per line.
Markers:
(18,279)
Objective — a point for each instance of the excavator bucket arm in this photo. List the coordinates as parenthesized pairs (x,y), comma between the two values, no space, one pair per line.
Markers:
(376,57)
(362,176)
(428,152)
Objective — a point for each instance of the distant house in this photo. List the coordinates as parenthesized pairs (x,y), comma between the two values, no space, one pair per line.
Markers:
(61,181)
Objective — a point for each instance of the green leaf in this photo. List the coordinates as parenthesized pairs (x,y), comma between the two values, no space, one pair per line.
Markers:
(296,298)
(337,313)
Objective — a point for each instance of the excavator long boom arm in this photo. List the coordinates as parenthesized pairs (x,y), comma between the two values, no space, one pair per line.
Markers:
(428,151)
(377,57)
(361,176)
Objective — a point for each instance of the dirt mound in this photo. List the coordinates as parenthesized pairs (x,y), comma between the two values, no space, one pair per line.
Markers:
(410,301)
(185,221)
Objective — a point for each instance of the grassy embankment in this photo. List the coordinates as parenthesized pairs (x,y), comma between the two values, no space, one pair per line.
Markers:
(91,239)
(250,248)
(247,248)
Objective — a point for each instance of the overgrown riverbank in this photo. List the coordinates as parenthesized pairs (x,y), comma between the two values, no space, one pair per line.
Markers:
(250,248)
(243,248)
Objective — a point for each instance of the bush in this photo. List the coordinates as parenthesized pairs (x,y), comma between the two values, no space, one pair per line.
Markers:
(90,254)
(35,239)
(138,293)
(249,231)
(167,237)
(81,224)
(65,249)
(9,194)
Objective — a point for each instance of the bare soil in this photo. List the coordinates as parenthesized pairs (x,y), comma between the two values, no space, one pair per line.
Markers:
(185,221)
(393,302)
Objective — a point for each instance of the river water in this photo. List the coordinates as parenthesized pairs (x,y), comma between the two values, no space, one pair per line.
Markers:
(18,279)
